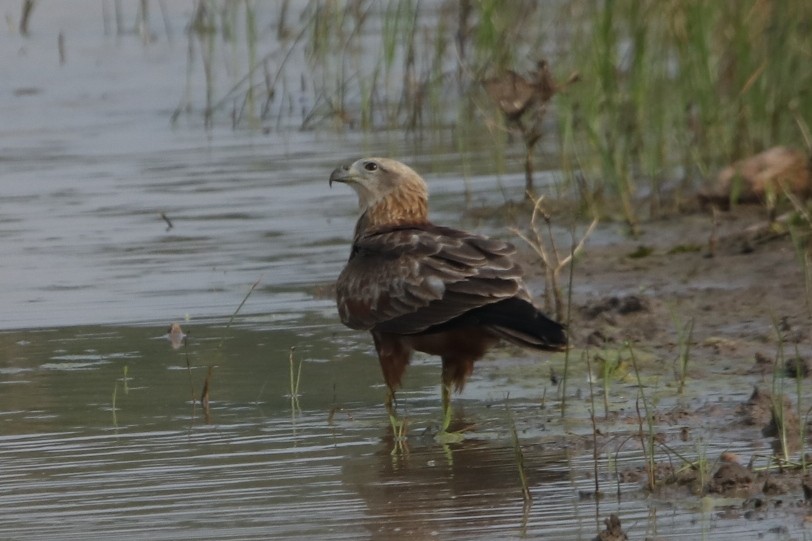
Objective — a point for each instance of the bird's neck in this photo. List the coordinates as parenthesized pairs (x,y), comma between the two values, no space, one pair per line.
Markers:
(395,209)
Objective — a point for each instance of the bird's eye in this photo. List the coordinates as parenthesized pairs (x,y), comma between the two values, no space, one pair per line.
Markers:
(371,166)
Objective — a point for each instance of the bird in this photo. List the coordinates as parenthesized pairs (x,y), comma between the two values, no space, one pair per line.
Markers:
(417,286)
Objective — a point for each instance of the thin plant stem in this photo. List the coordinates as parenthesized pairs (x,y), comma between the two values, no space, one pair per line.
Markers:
(594,434)
(646,442)
(295,378)
(115,392)
(517,449)
(778,393)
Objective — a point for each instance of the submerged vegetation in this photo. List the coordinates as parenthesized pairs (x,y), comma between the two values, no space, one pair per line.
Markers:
(668,91)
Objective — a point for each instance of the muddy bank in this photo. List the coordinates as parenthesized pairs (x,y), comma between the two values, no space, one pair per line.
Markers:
(728,296)
(738,280)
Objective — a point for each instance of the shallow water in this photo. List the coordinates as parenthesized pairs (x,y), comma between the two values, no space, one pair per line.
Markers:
(100,437)
(101,432)
(90,163)
(257,466)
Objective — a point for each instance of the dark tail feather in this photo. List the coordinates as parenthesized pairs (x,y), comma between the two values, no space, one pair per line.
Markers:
(521,323)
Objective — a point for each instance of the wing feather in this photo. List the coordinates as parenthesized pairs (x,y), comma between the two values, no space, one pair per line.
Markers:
(406,280)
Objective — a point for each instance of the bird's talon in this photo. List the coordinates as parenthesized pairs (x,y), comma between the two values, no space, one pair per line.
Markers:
(398,427)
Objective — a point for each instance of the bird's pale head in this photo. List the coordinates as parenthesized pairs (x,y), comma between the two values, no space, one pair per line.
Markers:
(389,192)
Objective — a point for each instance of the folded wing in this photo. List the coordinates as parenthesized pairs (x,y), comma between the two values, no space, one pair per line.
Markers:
(408,279)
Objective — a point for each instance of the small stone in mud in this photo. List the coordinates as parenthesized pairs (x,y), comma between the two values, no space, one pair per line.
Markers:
(727,456)
(753,503)
(763,365)
(619,305)
(630,476)
(758,408)
(796,367)
(632,304)
(731,479)
(613,531)
(641,252)
(589,495)
(596,338)
(784,426)
(806,485)
(774,486)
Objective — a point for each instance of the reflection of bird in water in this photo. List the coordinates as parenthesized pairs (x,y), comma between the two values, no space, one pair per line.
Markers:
(463,490)
(418,286)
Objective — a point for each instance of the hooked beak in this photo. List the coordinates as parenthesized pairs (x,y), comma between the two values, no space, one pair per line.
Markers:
(341,174)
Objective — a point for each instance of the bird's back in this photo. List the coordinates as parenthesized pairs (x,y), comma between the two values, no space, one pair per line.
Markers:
(412,279)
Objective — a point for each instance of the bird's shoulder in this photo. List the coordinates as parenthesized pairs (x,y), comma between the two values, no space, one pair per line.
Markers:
(429,239)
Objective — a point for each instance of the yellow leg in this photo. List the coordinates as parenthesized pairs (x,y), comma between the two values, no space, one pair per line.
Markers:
(448,381)
(399,446)
(447,413)
(445,436)
(398,426)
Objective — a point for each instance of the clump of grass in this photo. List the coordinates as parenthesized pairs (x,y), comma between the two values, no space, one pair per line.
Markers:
(612,366)
(647,437)
(785,424)
(668,92)
(392,74)
(701,465)
(684,336)
(676,90)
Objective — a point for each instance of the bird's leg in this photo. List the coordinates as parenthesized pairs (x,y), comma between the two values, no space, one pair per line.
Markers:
(391,403)
(450,377)
(446,394)
(393,356)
